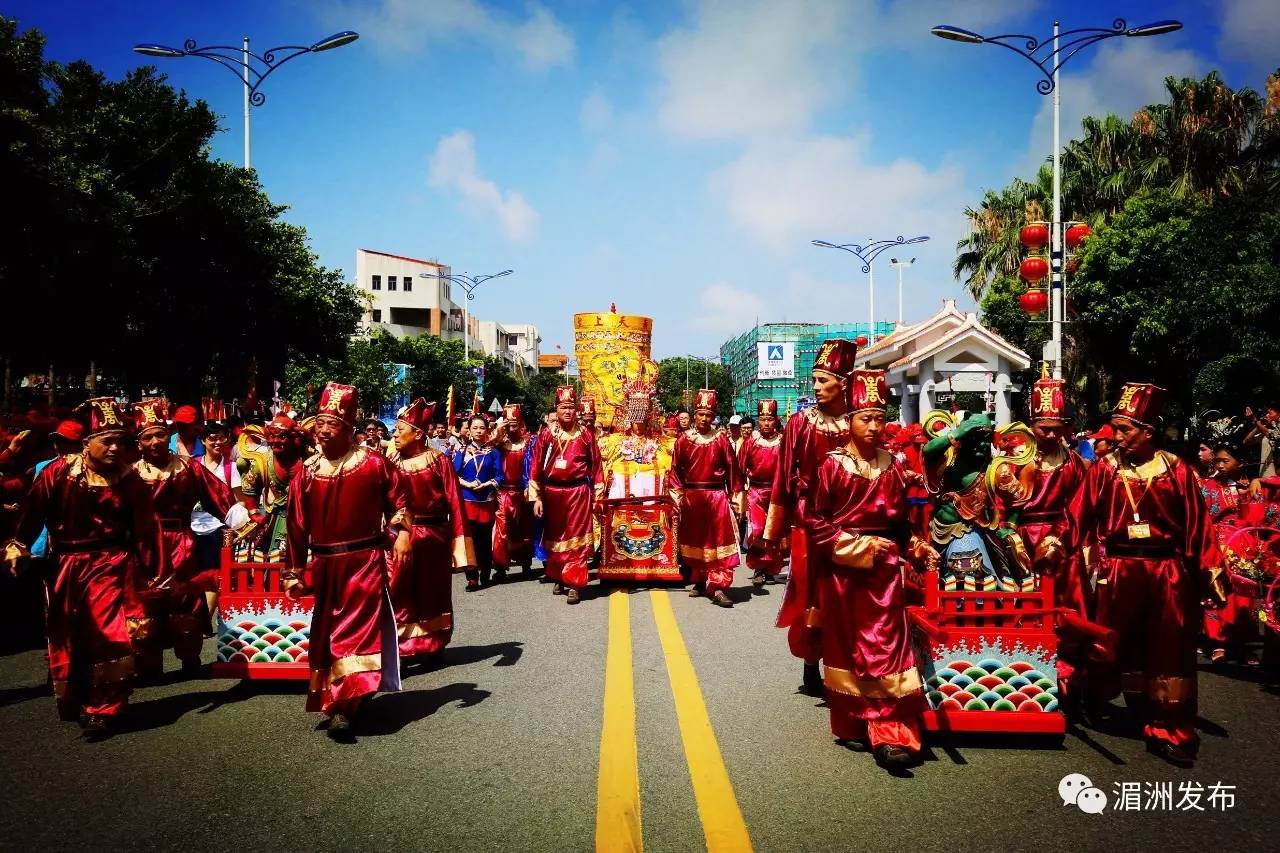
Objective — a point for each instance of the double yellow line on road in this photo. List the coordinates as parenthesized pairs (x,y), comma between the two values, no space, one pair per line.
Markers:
(618,790)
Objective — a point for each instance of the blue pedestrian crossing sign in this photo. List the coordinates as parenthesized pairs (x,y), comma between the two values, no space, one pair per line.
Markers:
(775,360)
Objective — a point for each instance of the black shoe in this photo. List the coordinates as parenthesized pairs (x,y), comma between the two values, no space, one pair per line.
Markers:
(500,576)
(559,589)
(719,599)
(192,668)
(812,683)
(1172,753)
(697,591)
(852,745)
(757,580)
(97,727)
(894,757)
(473,586)
(340,729)
(572,596)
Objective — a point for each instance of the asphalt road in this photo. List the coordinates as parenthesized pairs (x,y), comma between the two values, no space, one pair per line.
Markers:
(498,748)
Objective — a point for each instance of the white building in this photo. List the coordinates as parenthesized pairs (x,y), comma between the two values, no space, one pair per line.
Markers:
(405,303)
(514,343)
(951,351)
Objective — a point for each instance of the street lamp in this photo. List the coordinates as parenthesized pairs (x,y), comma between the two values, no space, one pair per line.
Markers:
(250,68)
(1048,63)
(468,283)
(894,262)
(867,253)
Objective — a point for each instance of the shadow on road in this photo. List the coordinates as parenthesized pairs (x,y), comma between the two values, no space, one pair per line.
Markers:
(507,654)
(15,695)
(388,713)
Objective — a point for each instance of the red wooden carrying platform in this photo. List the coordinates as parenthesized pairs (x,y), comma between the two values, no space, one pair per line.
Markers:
(640,540)
(262,634)
(989,658)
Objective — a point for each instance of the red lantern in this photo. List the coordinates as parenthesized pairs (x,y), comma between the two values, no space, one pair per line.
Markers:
(1033,269)
(1034,301)
(861,340)
(1076,234)
(1034,236)
(1073,264)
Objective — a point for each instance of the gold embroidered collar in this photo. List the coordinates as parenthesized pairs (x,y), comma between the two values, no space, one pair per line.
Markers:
(564,437)
(78,469)
(152,474)
(322,466)
(698,438)
(824,423)
(1158,464)
(757,438)
(421,462)
(859,467)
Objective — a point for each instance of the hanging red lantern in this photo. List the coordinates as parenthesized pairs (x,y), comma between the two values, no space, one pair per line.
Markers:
(1073,264)
(861,340)
(1034,301)
(1033,269)
(1034,236)
(1076,234)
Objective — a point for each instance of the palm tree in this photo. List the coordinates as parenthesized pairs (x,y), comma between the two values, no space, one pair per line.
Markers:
(992,248)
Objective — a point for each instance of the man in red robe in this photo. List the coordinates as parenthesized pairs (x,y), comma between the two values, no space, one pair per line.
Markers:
(102,533)
(860,545)
(513,530)
(1144,508)
(340,504)
(176,599)
(564,471)
(809,436)
(1053,479)
(422,589)
(758,464)
(703,476)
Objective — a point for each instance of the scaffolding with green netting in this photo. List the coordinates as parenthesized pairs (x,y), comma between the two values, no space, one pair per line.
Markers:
(739,356)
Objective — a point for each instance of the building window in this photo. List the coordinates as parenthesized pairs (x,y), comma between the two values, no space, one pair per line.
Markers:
(391,282)
(377,283)
(377,313)
(407,283)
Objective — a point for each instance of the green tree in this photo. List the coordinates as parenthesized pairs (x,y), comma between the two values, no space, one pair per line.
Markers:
(672,373)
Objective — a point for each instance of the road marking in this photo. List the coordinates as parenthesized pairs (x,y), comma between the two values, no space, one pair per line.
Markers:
(722,822)
(618,785)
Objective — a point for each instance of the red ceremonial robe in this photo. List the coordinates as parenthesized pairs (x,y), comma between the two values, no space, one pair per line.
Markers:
(563,472)
(1149,586)
(758,465)
(513,528)
(1228,503)
(176,600)
(808,438)
(337,511)
(102,536)
(872,685)
(704,473)
(422,593)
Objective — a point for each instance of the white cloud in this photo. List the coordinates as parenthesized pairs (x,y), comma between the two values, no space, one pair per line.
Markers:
(787,192)
(1251,32)
(750,68)
(408,26)
(725,308)
(453,169)
(1126,75)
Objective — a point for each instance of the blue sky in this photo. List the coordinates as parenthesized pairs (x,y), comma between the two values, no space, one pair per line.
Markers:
(674,158)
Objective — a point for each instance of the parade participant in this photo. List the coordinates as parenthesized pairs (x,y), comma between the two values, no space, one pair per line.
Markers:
(1055,475)
(480,473)
(860,538)
(565,468)
(1228,494)
(422,590)
(513,528)
(704,474)
(1104,439)
(174,598)
(341,501)
(684,420)
(371,435)
(1144,506)
(185,440)
(758,465)
(265,479)
(587,413)
(102,533)
(809,436)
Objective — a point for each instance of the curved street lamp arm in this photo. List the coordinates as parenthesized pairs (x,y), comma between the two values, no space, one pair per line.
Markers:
(232,59)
